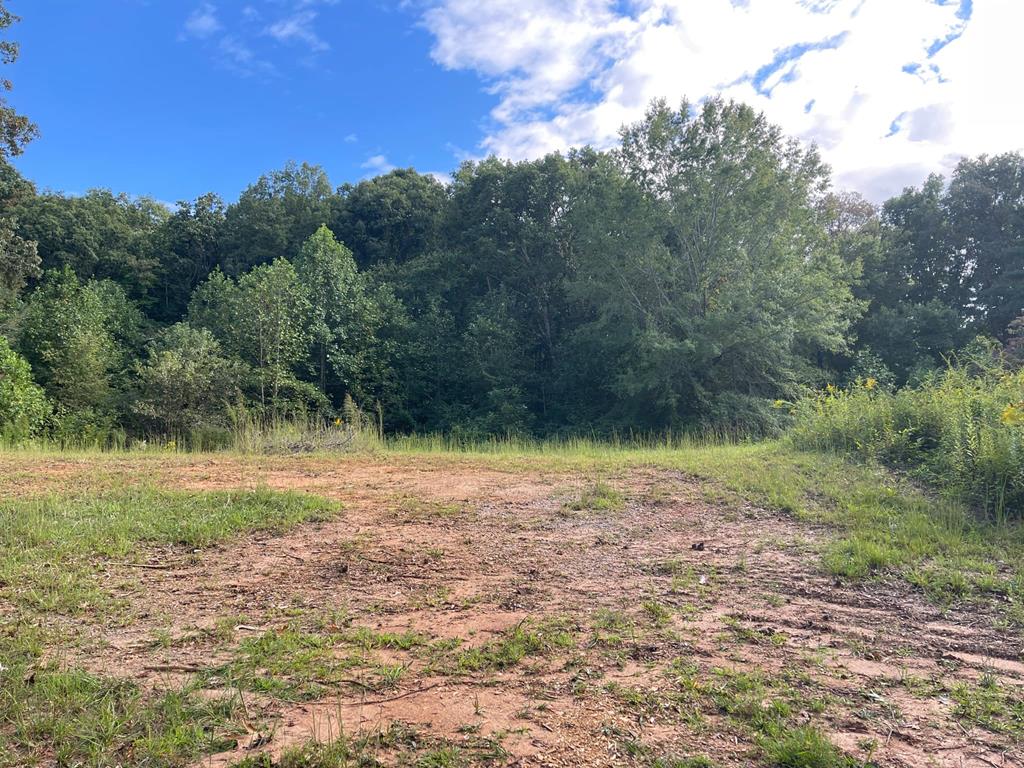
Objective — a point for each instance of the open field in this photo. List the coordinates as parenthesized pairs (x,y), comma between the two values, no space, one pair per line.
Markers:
(724,606)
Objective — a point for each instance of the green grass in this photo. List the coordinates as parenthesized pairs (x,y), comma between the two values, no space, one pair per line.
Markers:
(54,550)
(804,747)
(53,547)
(990,705)
(528,638)
(599,496)
(960,430)
(288,664)
(69,717)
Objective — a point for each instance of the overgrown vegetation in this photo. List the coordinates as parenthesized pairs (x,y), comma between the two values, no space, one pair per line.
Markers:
(961,430)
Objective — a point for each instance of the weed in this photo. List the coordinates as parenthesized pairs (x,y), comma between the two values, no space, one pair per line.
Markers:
(597,497)
(803,747)
(525,639)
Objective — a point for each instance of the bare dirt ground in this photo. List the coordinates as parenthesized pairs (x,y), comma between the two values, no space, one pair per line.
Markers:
(674,614)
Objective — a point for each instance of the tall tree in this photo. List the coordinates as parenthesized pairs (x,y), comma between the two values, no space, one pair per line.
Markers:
(19,260)
(390,218)
(99,235)
(188,250)
(508,224)
(740,291)
(19,257)
(264,319)
(985,207)
(274,216)
(186,381)
(344,319)
(15,130)
(80,339)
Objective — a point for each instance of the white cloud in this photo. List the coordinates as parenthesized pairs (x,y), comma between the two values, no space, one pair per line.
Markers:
(351,138)
(377,165)
(889,89)
(202,22)
(298,28)
(441,177)
(237,56)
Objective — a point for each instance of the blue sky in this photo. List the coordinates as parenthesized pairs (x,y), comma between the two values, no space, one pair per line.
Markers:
(174,98)
(127,96)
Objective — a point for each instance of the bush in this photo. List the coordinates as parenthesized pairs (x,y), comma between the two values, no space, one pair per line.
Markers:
(23,405)
(960,430)
(186,383)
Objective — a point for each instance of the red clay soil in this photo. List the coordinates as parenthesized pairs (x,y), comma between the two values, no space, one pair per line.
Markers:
(668,581)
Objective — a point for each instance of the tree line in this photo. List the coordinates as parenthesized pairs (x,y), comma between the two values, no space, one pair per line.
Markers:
(692,276)
(700,272)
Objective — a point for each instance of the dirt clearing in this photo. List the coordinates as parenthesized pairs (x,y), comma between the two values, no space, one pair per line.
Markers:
(451,610)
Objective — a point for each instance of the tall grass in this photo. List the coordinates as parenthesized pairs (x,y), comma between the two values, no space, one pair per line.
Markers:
(961,431)
(572,445)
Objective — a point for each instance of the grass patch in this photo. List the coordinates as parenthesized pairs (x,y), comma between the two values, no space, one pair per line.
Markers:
(804,747)
(288,664)
(599,496)
(989,705)
(73,718)
(52,547)
(526,639)
(53,550)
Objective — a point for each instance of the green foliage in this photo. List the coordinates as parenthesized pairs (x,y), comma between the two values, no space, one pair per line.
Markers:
(15,130)
(714,281)
(186,382)
(390,218)
(681,282)
(264,319)
(79,338)
(189,249)
(98,235)
(274,216)
(23,404)
(961,430)
(344,320)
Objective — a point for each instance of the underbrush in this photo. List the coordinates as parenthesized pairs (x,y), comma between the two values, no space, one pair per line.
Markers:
(961,432)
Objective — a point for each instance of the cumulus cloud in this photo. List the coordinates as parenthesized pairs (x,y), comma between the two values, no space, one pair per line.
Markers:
(889,89)
(375,165)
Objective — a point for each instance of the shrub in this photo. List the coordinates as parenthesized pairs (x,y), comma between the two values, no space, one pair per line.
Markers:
(960,430)
(23,405)
(186,383)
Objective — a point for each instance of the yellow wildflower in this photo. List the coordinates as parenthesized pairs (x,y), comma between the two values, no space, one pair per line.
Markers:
(1013,414)
(831,389)
(870,382)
